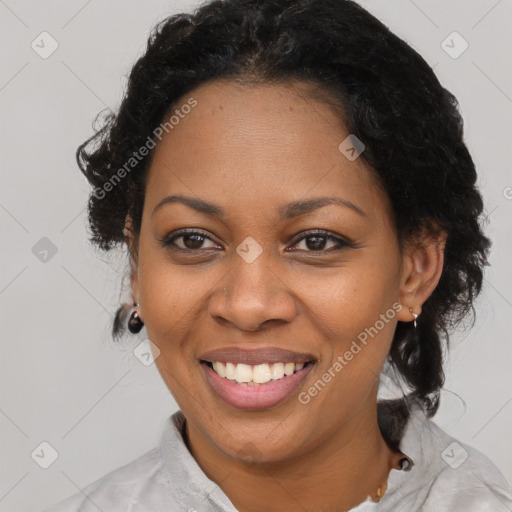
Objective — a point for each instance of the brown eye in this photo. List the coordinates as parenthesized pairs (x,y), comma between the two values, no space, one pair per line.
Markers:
(188,241)
(191,241)
(318,240)
(316,243)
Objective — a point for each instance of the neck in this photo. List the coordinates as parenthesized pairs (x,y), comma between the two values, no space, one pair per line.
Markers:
(344,469)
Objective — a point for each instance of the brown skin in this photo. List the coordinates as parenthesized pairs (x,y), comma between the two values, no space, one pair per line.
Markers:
(251,150)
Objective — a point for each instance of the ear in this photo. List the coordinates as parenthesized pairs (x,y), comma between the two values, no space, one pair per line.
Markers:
(422,266)
(131,241)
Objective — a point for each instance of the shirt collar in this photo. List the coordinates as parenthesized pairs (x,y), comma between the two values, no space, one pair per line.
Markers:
(416,444)
(194,490)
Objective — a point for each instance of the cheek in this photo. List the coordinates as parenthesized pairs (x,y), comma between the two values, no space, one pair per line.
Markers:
(351,298)
(354,313)
(167,296)
(353,307)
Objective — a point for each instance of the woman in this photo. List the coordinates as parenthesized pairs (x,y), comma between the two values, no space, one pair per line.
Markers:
(301,215)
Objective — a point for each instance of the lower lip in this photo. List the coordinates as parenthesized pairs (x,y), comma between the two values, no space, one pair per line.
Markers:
(261,396)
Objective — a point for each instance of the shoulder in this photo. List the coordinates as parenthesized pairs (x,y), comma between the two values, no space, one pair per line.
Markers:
(452,475)
(164,479)
(469,481)
(114,490)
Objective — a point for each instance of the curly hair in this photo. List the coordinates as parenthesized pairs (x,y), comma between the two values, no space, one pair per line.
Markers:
(391,100)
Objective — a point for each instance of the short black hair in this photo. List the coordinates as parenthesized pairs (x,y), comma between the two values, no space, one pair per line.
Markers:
(390,99)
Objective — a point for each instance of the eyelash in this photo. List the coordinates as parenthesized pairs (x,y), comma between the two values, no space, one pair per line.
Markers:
(168,241)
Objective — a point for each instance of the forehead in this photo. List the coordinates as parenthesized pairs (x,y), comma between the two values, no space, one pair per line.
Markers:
(252,146)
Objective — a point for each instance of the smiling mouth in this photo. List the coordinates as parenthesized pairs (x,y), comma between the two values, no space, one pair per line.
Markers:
(255,375)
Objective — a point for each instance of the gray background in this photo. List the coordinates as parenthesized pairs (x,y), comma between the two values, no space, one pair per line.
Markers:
(63,381)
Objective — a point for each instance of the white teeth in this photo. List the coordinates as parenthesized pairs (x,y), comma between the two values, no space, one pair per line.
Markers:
(277,371)
(257,374)
(289,368)
(230,371)
(261,374)
(219,368)
(243,373)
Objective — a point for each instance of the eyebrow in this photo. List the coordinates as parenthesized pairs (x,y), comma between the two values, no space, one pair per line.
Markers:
(286,212)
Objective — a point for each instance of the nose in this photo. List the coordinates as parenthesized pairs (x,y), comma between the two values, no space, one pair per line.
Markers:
(251,295)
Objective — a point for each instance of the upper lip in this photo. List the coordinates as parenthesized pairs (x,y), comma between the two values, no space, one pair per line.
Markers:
(255,356)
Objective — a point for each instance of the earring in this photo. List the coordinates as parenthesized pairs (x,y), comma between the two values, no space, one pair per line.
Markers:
(135,323)
(414,315)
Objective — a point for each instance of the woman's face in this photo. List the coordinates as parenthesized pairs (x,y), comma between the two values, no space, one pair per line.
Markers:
(246,285)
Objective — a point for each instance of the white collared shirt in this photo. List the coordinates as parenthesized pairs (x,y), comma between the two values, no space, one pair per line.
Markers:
(446,475)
